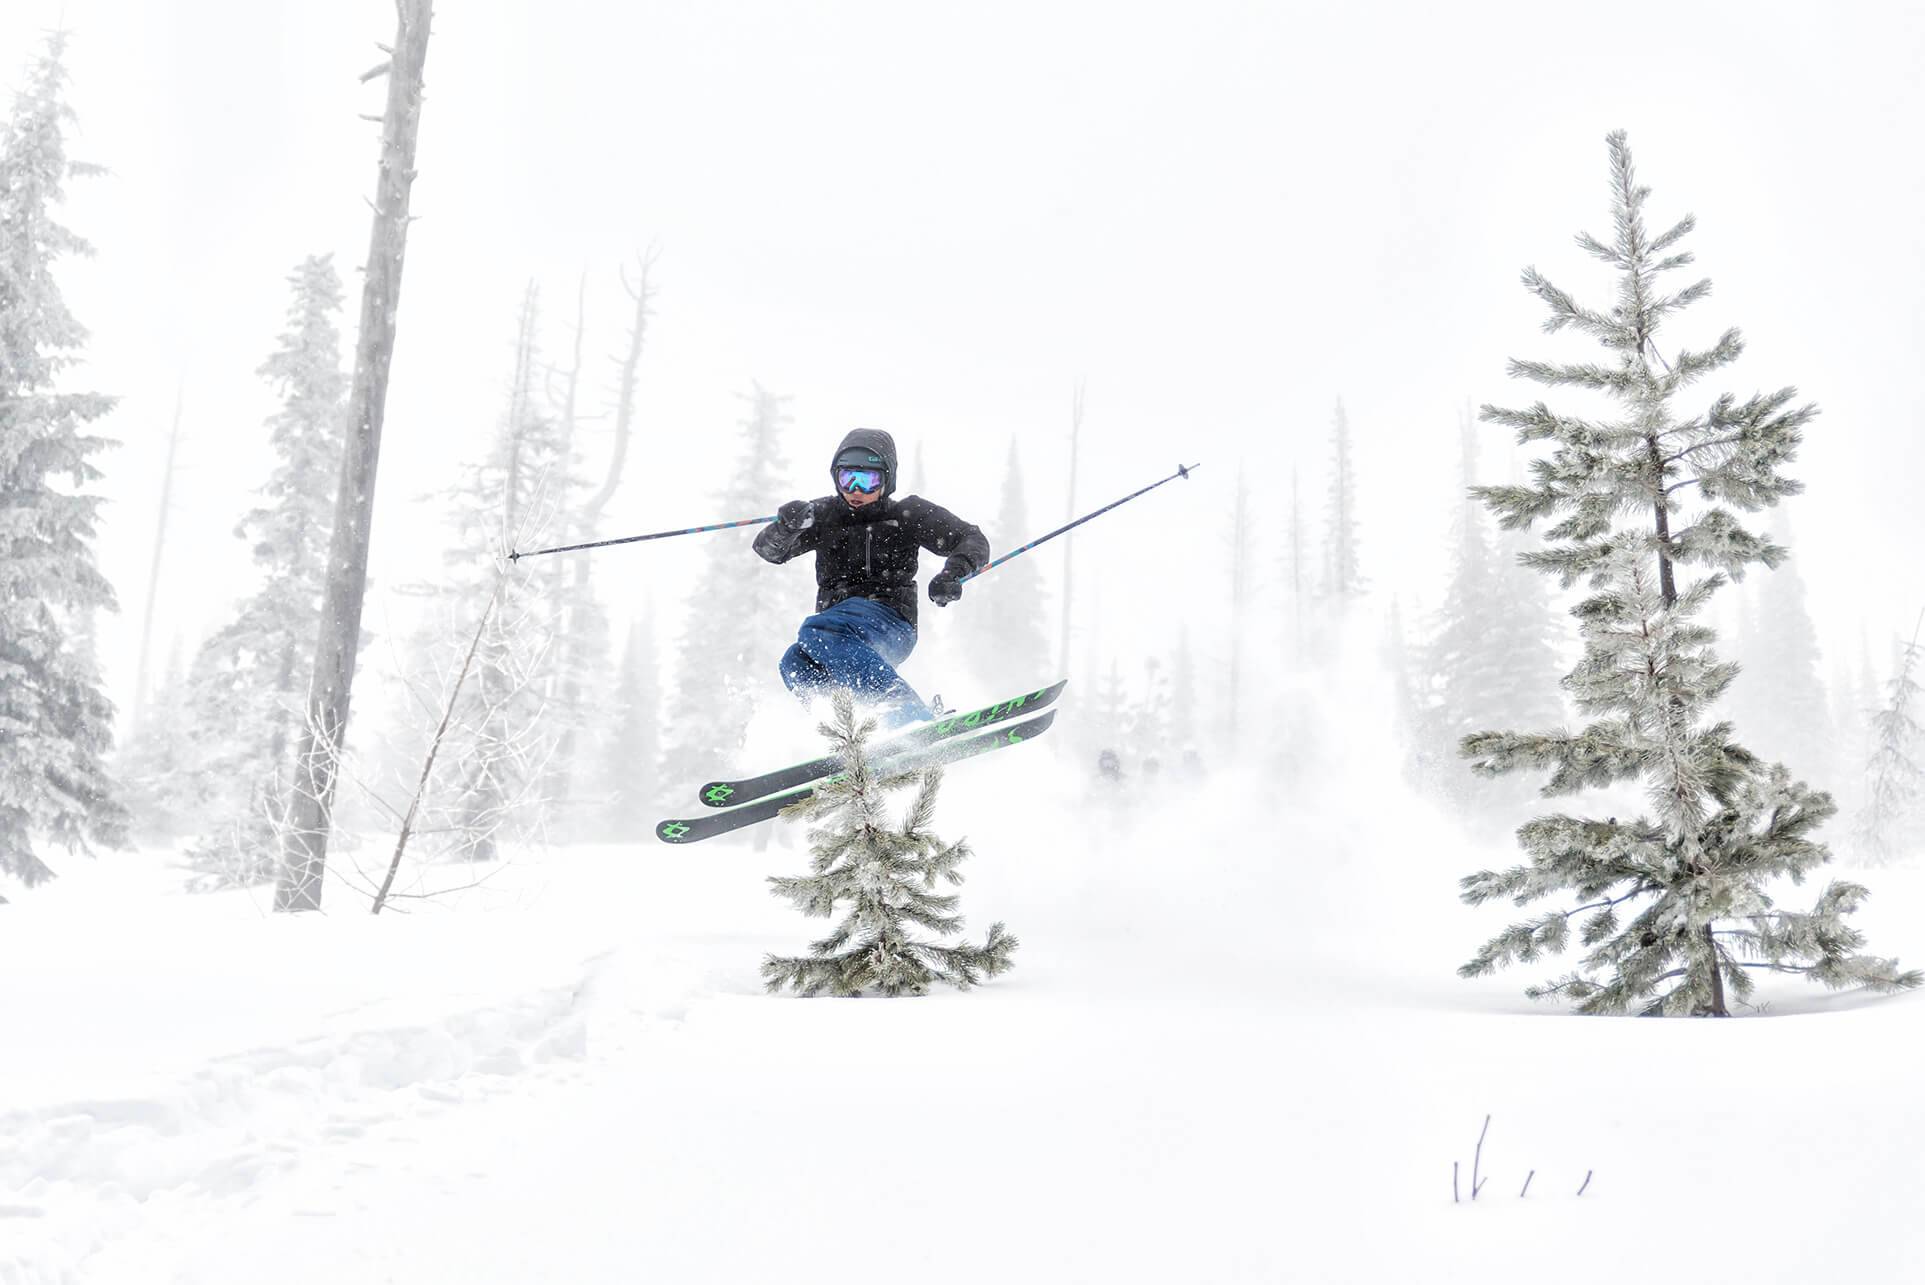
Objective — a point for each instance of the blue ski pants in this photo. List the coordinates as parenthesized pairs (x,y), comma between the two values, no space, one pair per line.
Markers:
(856,644)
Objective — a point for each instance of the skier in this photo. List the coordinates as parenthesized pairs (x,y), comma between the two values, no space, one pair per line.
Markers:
(867,545)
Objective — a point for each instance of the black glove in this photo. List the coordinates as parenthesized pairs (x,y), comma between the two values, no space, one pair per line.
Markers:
(796,515)
(947,586)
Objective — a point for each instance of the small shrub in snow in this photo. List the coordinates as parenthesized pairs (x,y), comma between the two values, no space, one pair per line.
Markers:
(889,875)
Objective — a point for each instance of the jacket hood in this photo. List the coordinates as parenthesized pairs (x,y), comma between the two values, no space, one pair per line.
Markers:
(875,441)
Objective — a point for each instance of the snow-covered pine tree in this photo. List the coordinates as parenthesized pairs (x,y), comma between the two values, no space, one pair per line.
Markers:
(1778,697)
(1726,825)
(248,684)
(1149,719)
(1408,711)
(56,723)
(1489,657)
(1240,540)
(1343,578)
(154,767)
(631,757)
(1182,694)
(1894,780)
(1011,647)
(1848,710)
(888,874)
(1296,567)
(1107,726)
(729,648)
(503,732)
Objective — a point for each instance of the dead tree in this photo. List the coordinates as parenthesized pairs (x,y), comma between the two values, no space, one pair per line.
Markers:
(573,645)
(317,767)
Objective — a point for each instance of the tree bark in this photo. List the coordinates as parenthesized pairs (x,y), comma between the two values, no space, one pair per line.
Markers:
(312,805)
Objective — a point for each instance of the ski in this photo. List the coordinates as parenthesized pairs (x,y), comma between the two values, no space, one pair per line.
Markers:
(952,750)
(722,794)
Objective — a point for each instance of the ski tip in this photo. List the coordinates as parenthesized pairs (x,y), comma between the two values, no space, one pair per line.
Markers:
(672,831)
(718,794)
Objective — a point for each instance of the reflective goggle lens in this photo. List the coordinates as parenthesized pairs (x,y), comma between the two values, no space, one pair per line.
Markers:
(864,480)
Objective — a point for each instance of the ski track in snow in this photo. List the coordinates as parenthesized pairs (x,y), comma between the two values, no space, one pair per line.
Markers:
(84,1170)
(91,1188)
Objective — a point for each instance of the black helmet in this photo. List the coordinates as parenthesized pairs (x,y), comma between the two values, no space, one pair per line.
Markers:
(867,448)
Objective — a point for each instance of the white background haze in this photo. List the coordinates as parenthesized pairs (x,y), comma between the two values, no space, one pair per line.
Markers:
(934,221)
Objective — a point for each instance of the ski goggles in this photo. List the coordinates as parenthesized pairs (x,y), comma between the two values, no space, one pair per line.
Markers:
(864,481)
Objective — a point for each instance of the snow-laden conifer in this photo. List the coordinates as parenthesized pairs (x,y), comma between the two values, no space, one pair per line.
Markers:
(887,875)
(630,758)
(56,722)
(1673,909)
(1490,656)
(729,649)
(248,682)
(1343,577)
(1009,646)
(1183,714)
(499,732)
(505,710)
(1779,697)
(1894,780)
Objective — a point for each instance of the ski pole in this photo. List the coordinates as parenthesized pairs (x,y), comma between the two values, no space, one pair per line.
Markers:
(632,539)
(1181,471)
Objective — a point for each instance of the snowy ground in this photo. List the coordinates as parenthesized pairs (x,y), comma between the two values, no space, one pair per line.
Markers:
(1233,1049)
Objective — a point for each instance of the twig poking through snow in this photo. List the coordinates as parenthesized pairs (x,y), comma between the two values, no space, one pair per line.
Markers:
(1527,1184)
(1587,1180)
(1453,1183)
(1477,1159)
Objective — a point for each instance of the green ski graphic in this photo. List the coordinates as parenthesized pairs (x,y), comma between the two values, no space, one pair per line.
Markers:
(723,793)
(695,829)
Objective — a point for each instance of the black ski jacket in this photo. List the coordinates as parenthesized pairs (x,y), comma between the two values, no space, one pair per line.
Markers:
(873,552)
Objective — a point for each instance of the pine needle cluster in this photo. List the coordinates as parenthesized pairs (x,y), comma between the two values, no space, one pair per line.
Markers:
(889,873)
(1673,908)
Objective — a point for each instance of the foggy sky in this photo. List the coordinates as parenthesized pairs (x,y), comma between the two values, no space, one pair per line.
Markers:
(933,220)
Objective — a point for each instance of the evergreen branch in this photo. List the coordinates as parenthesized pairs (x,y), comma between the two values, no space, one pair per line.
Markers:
(1690,365)
(1566,311)
(1665,240)
(1712,444)
(1587,375)
(1681,300)
(1538,422)
(1597,248)
(1516,507)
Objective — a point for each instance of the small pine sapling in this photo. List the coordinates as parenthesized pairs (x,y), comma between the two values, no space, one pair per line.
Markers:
(889,873)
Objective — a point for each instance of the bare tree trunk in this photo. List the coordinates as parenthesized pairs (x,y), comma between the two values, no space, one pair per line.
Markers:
(311,807)
(1069,546)
(641,293)
(153,566)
